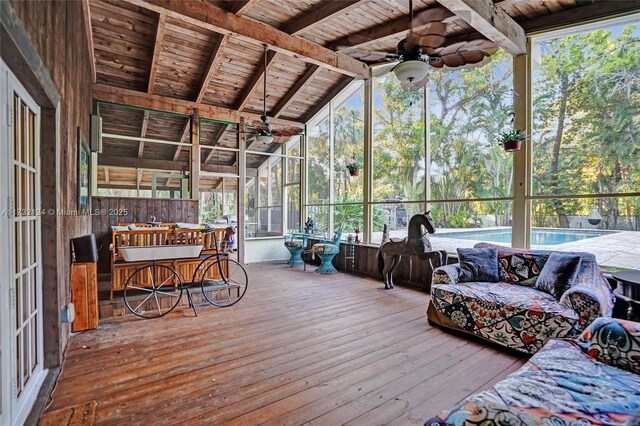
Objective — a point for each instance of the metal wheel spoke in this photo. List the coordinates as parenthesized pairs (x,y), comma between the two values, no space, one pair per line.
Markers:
(140,288)
(145,299)
(167,293)
(165,281)
(155,294)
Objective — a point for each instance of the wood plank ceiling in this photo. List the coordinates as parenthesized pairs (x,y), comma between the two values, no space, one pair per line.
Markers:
(207,55)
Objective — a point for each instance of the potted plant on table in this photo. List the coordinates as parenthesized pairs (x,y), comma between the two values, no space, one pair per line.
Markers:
(353,167)
(512,141)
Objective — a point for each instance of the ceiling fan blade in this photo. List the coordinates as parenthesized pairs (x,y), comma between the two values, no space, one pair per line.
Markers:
(453,60)
(372,55)
(472,56)
(433,14)
(288,131)
(379,71)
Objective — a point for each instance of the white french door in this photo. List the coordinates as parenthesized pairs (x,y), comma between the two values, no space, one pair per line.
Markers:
(21,272)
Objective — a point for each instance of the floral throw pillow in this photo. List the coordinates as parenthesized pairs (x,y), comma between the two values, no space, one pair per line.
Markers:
(521,268)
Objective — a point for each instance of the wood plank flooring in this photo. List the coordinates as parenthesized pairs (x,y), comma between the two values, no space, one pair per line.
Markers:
(299,348)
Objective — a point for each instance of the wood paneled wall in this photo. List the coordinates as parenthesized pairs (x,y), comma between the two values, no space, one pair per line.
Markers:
(56,31)
(110,211)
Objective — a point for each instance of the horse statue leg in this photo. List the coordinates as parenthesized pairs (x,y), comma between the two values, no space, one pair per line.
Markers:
(394,264)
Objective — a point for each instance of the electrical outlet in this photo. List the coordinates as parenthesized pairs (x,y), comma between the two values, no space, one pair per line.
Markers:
(68,313)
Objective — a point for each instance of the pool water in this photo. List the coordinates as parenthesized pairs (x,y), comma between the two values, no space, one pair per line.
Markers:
(539,237)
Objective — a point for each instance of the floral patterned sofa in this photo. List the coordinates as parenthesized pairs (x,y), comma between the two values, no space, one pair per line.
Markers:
(512,312)
(591,380)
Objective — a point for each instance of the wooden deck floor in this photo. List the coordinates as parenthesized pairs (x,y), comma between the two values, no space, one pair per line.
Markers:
(300,347)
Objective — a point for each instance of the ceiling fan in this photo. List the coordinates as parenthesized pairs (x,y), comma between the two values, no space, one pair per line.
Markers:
(425,49)
(262,129)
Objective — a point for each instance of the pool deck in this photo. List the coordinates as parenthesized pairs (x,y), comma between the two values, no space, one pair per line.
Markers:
(618,250)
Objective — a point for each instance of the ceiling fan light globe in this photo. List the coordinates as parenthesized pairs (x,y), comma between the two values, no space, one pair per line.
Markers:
(264,139)
(409,71)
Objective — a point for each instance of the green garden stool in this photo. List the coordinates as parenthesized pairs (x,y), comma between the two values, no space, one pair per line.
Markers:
(326,251)
(295,248)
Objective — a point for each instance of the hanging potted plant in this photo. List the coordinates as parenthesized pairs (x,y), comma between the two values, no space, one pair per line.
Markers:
(512,141)
(353,167)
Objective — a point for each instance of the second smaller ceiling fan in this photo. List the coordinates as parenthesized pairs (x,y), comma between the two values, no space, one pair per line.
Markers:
(262,131)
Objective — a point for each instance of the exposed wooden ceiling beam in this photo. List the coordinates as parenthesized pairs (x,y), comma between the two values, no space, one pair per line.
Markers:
(142,163)
(581,14)
(241,7)
(89,34)
(311,72)
(257,78)
(143,133)
(207,16)
(157,48)
(319,15)
(332,94)
(491,21)
(212,67)
(185,131)
(223,128)
(390,30)
(138,99)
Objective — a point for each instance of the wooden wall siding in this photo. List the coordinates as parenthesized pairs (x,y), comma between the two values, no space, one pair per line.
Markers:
(138,210)
(184,58)
(123,39)
(55,31)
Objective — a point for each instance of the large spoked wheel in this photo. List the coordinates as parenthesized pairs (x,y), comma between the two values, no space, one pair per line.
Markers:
(152,291)
(224,282)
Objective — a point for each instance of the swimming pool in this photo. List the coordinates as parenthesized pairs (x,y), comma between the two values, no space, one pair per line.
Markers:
(539,237)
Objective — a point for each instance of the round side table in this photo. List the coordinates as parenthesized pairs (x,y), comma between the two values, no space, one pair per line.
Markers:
(628,289)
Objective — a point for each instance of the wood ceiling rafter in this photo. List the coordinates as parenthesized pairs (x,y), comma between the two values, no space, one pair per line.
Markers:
(212,67)
(157,48)
(325,100)
(143,133)
(380,33)
(218,20)
(216,138)
(143,100)
(284,103)
(241,7)
(257,78)
(319,15)
(490,21)
(186,130)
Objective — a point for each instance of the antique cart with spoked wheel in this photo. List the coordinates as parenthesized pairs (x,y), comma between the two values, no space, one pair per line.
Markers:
(155,287)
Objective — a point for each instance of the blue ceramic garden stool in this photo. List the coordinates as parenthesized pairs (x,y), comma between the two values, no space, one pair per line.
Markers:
(295,248)
(326,252)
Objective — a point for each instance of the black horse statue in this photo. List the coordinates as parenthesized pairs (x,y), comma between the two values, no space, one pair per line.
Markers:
(416,244)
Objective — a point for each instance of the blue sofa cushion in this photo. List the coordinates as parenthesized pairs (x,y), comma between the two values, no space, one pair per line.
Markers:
(558,274)
(478,264)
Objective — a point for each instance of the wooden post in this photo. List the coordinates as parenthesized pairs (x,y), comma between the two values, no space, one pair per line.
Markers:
(367,190)
(521,214)
(242,191)
(195,156)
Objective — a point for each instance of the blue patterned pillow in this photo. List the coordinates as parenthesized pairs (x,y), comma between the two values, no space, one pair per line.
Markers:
(478,264)
(558,274)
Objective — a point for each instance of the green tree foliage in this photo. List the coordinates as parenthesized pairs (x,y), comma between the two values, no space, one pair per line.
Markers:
(586,113)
